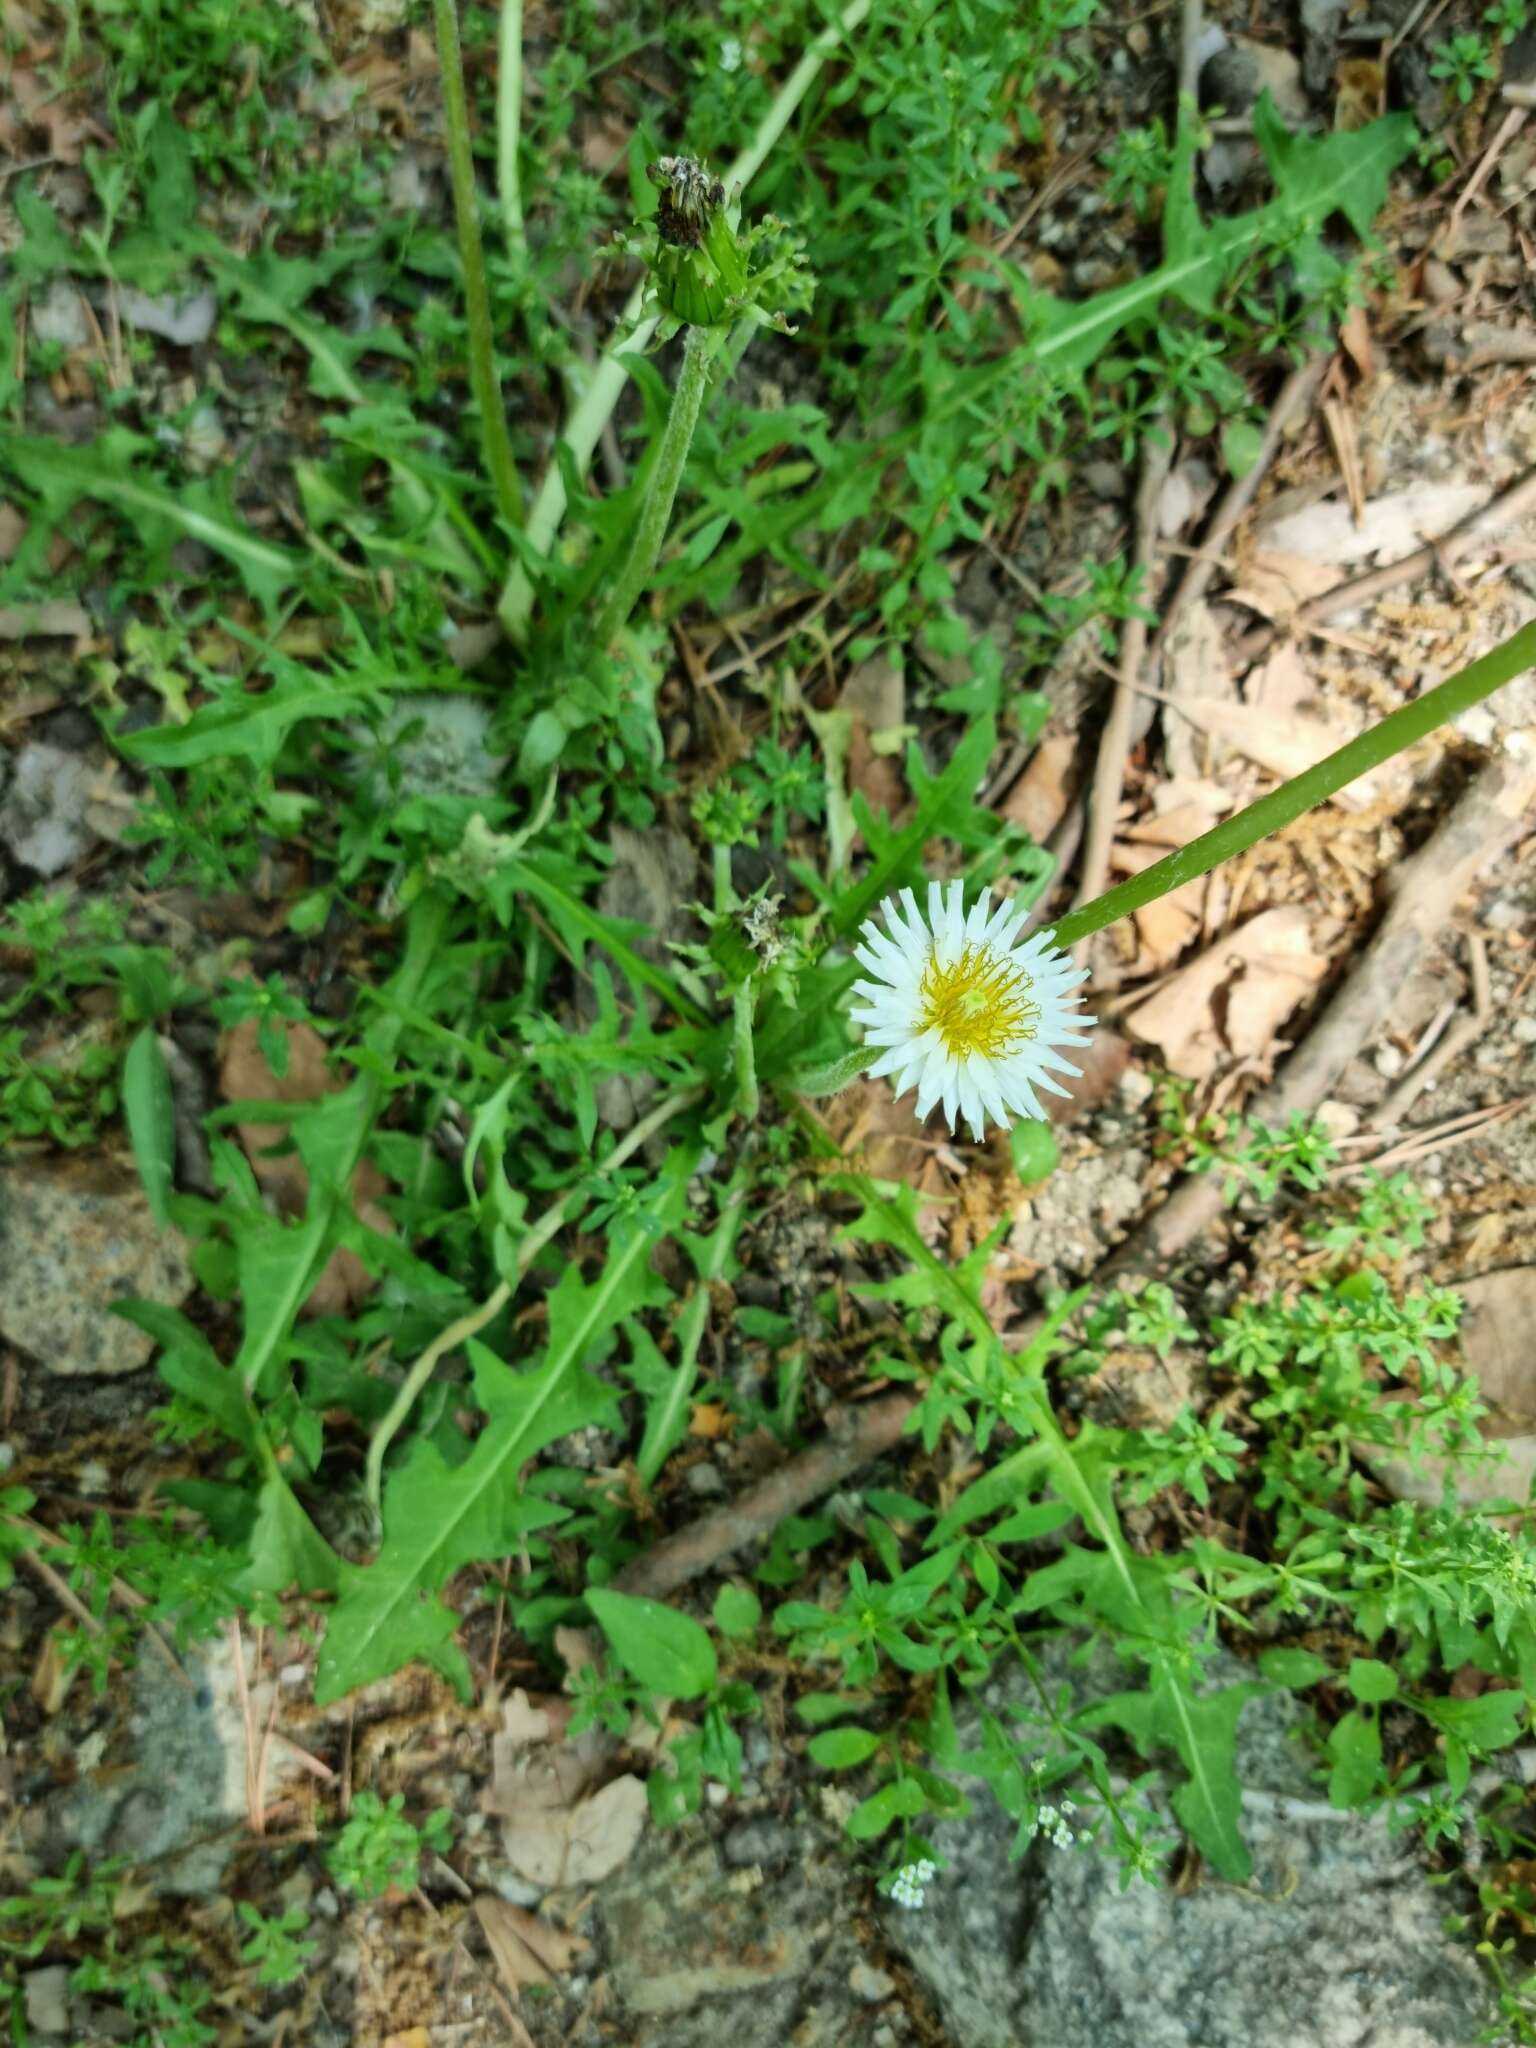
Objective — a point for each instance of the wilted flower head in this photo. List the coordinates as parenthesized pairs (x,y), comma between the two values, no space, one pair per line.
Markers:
(966,1010)
(706,270)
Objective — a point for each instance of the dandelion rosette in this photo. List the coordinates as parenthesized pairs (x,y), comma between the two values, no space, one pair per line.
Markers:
(965,1009)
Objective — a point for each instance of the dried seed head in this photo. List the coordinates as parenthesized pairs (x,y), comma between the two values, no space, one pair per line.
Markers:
(689,197)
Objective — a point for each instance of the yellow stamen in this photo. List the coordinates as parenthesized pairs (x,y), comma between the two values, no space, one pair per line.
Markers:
(979,1003)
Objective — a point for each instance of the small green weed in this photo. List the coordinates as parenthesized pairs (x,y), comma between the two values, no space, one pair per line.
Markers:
(378,1849)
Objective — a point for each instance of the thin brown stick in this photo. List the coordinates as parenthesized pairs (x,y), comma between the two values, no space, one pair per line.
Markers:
(1295,395)
(853,1439)
(1466,1031)
(1116,739)
(1425,891)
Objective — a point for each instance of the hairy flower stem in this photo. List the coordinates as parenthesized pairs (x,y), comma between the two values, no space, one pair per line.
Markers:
(744,1003)
(1272,813)
(633,334)
(700,347)
(509,116)
(496,442)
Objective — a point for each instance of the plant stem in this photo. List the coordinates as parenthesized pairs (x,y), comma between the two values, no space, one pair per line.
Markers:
(632,334)
(700,347)
(496,442)
(743,1004)
(1272,813)
(509,115)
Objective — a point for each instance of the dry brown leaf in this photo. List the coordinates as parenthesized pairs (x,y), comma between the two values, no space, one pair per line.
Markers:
(1340,422)
(1177,825)
(1194,665)
(1171,924)
(1038,801)
(579,1844)
(59,117)
(869,1120)
(1103,1061)
(1355,332)
(1250,981)
(1362,96)
(1276,584)
(1165,929)
(13,531)
(246,1076)
(56,618)
(875,698)
(413,2037)
(711,1419)
(535,1952)
(1286,744)
(1393,525)
(1282,682)
(556,1829)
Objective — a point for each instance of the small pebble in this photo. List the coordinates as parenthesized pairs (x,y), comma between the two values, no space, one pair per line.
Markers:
(1524,1029)
(1387,1061)
(870,1984)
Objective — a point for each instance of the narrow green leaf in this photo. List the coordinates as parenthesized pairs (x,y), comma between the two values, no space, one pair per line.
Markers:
(151,1119)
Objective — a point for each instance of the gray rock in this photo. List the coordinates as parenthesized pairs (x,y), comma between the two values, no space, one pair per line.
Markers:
(76,1237)
(697,1954)
(450,754)
(764,1843)
(1230,79)
(59,315)
(47,1996)
(171,1801)
(182,318)
(1336,1941)
(42,820)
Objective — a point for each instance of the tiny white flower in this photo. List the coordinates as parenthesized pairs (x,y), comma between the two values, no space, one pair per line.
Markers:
(730,54)
(909,1883)
(966,1010)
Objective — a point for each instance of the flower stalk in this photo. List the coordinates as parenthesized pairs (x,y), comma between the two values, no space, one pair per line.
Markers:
(1400,729)
(700,347)
(635,328)
(496,442)
(509,120)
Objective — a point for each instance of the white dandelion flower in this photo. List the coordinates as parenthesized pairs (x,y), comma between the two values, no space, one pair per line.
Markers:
(965,1010)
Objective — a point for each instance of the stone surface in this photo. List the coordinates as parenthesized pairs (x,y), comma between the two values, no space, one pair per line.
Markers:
(184,318)
(174,1781)
(698,1954)
(47,1999)
(1336,1942)
(75,1237)
(42,820)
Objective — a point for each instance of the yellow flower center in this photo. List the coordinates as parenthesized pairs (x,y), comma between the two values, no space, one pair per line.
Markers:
(979,1003)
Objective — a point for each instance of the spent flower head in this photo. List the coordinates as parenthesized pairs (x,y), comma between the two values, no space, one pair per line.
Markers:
(965,1009)
(708,271)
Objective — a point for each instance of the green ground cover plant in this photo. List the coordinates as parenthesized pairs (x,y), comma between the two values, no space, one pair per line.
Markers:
(826,375)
